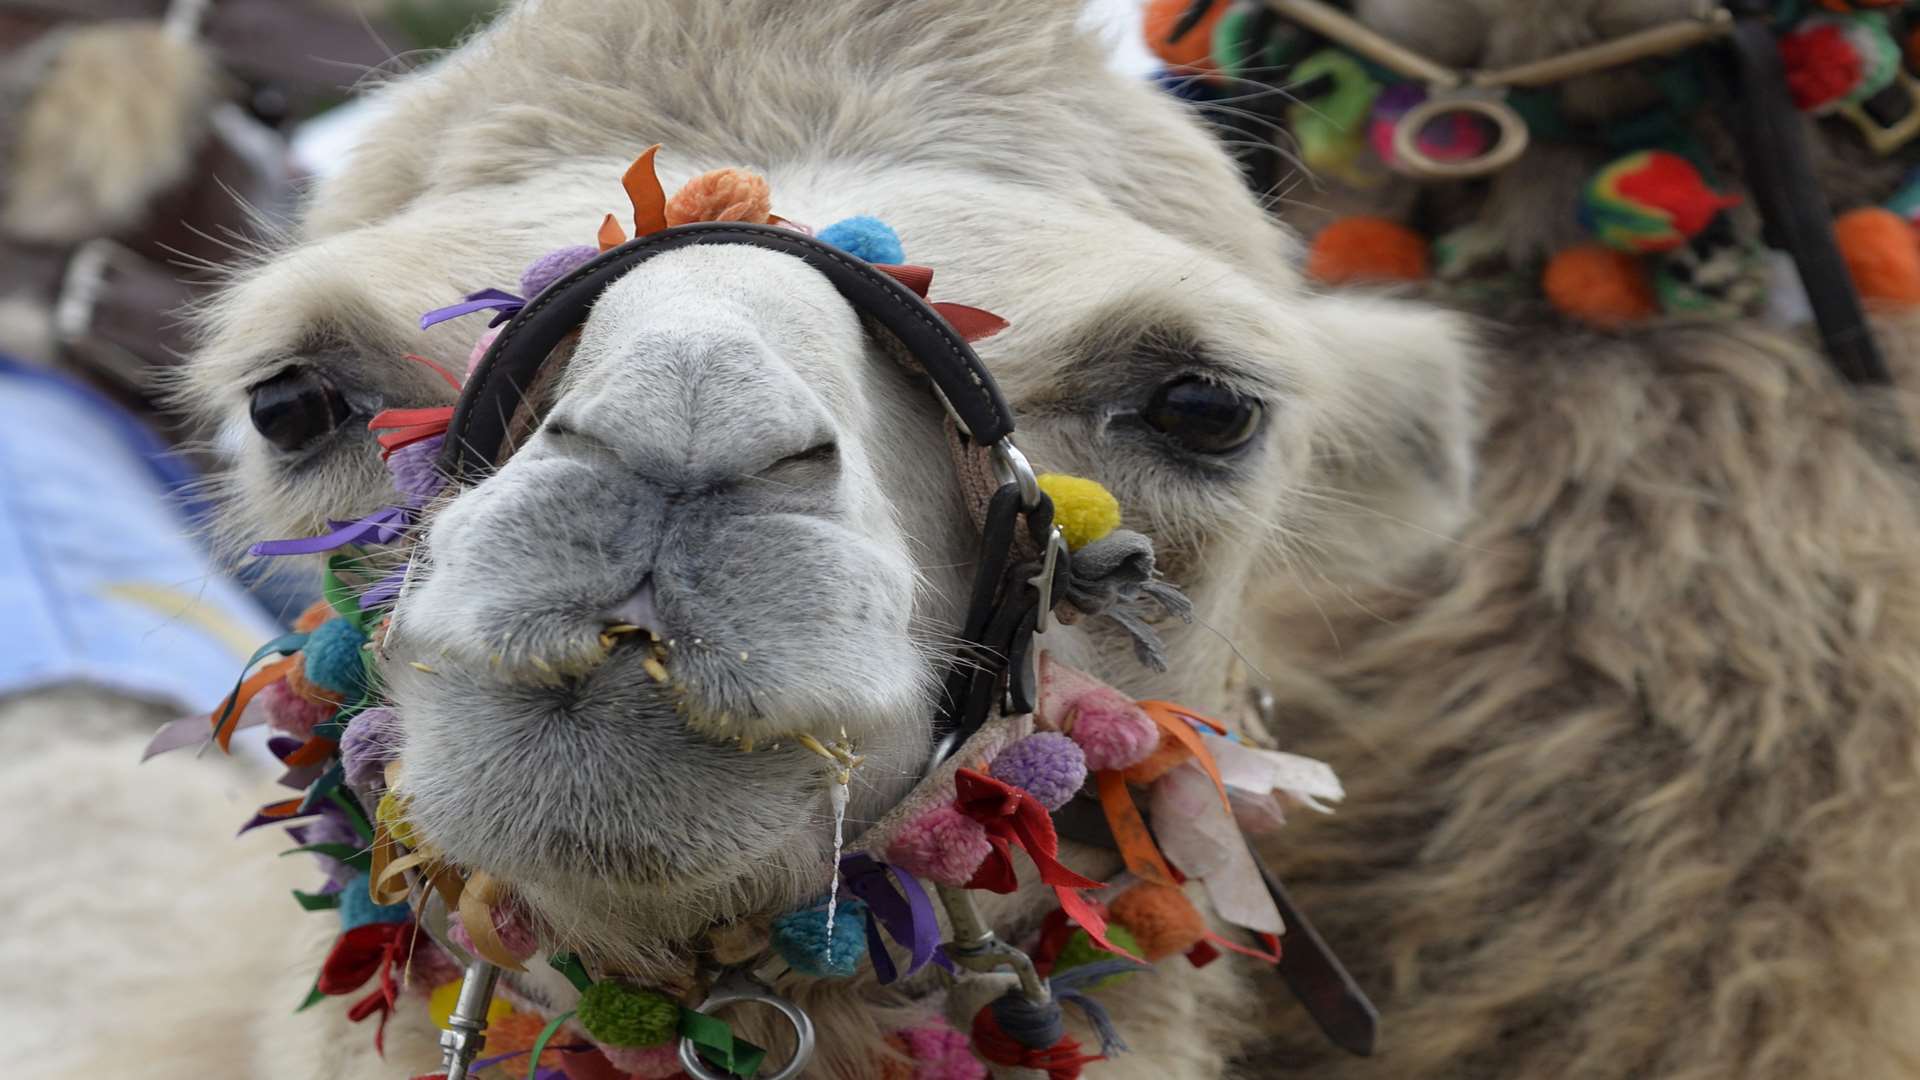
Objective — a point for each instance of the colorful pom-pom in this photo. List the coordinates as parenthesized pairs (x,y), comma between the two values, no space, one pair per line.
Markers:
(1600,286)
(1083,509)
(371,740)
(644,1062)
(1367,249)
(941,845)
(939,1052)
(621,1014)
(1882,252)
(1047,765)
(1161,918)
(291,714)
(722,195)
(415,467)
(332,659)
(801,939)
(516,1032)
(866,238)
(1193,51)
(1822,66)
(441,1002)
(1649,201)
(358,909)
(480,347)
(1080,949)
(1112,731)
(553,266)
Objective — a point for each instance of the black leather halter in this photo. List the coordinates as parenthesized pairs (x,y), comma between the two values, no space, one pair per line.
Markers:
(1005,602)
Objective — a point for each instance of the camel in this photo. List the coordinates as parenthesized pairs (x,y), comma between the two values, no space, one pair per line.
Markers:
(1160,341)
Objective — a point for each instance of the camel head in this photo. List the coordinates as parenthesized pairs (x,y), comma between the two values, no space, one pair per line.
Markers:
(731,462)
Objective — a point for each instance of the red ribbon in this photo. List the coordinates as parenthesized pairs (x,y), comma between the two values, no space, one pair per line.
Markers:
(359,955)
(404,427)
(1011,816)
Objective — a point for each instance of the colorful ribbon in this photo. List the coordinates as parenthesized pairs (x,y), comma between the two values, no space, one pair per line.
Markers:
(383,526)
(503,304)
(716,1043)
(905,912)
(1011,816)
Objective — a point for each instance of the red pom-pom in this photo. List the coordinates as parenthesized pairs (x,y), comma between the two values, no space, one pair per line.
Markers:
(1822,65)
(1367,249)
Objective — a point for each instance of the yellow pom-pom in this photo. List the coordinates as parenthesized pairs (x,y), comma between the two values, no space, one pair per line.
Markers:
(1082,509)
(440,1005)
(392,812)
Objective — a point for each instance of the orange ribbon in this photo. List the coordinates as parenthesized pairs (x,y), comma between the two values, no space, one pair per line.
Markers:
(1173,719)
(1129,829)
(237,702)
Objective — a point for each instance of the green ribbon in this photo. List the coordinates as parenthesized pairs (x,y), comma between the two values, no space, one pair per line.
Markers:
(346,853)
(317,901)
(569,965)
(343,798)
(344,599)
(715,1041)
(314,997)
(540,1044)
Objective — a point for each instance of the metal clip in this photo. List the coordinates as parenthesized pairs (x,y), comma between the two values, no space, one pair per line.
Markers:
(461,1043)
(1050,568)
(740,987)
(977,948)
(1012,468)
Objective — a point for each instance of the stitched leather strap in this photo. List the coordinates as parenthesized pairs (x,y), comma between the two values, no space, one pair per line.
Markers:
(481,418)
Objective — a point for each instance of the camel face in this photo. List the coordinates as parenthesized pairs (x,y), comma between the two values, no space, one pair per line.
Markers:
(730,462)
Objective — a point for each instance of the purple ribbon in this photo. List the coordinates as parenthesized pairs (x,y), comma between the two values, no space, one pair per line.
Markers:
(383,526)
(384,591)
(504,304)
(906,913)
(261,819)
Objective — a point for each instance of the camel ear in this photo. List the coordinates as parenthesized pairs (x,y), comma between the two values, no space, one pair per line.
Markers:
(1393,466)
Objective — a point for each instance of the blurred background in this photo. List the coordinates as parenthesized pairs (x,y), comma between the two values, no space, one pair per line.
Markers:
(148,150)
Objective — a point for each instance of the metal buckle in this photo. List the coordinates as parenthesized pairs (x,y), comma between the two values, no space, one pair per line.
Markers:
(977,948)
(1011,466)
(738,987)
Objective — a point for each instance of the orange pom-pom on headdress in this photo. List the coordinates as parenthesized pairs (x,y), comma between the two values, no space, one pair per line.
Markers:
(722,195)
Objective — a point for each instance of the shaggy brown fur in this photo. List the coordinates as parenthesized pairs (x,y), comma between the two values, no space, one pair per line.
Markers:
(1633,780)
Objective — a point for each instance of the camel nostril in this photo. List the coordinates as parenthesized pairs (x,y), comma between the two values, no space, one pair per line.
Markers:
(638,610)
(296,408)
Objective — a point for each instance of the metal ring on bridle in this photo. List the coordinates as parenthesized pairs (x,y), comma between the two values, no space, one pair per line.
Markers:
(1012,467)
(1510,140)
(742,992)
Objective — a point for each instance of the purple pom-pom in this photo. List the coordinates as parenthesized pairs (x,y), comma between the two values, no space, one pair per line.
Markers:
(415,468)
(371,740)
(553,266)
(1048,765)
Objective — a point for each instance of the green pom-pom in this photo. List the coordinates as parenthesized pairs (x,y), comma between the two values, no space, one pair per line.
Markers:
(1080,950)
(620,1014)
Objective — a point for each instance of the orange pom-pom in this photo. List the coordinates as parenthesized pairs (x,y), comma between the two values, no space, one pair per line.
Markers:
(1367,249)
(307,689)
(1599,285)
(1194,49)
(1169,753)
(519,1031)
(1161,919)
(722,195)
(1882,253)
(320,612)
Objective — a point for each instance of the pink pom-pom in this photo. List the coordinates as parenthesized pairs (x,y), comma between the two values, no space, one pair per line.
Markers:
(1046,765)
(941,1053)
(291,714)
(480,348)
(941,845)
(1112,731)
(645,1062)
(508,925)
(430,966)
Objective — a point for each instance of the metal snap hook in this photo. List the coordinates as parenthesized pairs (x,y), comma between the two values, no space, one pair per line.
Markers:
(736,988)
(1510,138)
(1011,466)
(1050,570)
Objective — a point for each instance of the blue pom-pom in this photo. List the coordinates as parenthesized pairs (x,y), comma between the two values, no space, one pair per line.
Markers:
(800,937)
(358,909)
(868,238)
(333,660)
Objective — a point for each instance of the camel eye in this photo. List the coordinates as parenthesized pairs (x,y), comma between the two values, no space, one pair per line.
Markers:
(296,408)
(1204,417)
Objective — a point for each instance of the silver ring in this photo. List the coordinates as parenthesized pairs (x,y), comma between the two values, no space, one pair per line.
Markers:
(1508,144)
(1011,466)
(736,989)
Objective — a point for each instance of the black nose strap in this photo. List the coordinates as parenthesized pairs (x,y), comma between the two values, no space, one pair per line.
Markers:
(495,390)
